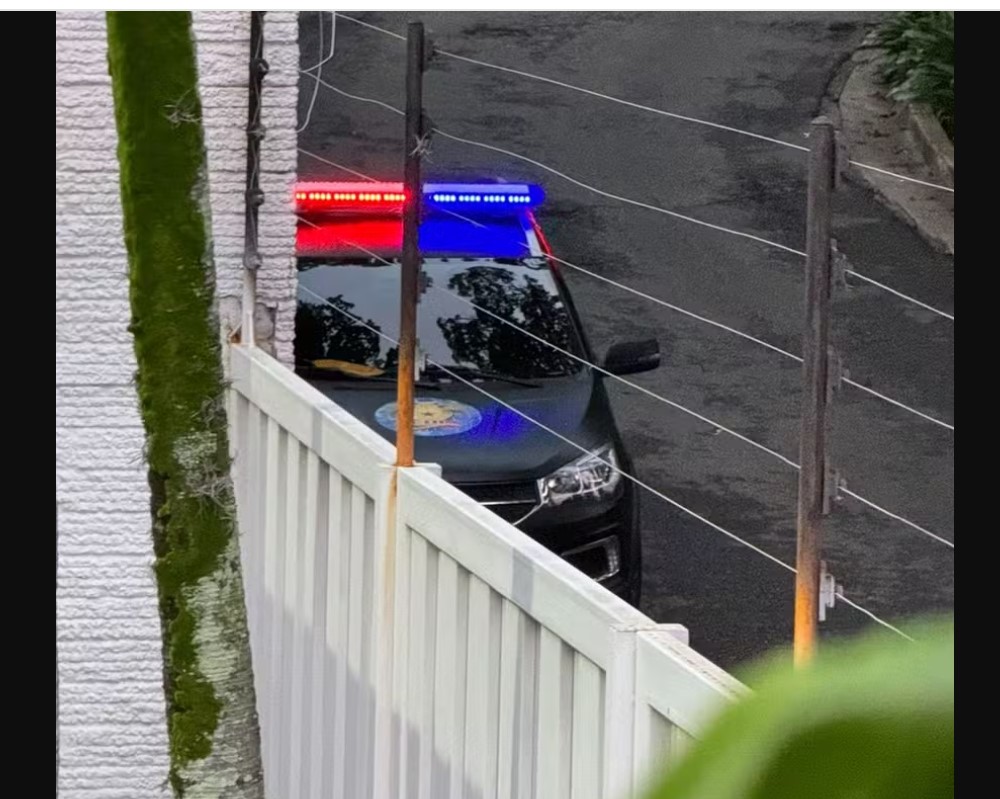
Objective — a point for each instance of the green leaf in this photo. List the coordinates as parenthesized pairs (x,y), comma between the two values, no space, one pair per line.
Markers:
(872,719)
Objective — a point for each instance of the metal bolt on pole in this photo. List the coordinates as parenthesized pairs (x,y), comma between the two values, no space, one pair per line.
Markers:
(815,375)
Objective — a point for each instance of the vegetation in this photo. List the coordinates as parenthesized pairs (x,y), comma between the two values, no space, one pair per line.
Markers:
(212,724)
(872,719)
(919,64)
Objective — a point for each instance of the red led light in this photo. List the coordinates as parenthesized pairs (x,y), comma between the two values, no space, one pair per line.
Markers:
(343,237)
(326,196)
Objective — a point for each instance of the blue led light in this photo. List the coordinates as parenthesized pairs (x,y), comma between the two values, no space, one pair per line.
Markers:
(491,197)
(445,236)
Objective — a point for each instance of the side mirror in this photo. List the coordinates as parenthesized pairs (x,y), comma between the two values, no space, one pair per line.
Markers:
(630,357)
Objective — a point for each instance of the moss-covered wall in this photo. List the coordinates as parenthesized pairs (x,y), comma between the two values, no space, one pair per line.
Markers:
(180,375)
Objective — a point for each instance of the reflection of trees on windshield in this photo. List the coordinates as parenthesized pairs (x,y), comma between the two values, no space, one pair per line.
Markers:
(323,332)
(485,342)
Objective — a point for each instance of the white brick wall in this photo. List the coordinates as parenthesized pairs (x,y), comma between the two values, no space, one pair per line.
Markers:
(112,732)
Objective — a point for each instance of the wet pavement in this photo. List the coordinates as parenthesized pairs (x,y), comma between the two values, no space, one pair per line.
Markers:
(765,72)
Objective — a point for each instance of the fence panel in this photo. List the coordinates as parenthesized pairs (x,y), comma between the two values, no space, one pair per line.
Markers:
(313,493)
(407,642)
(510,626)
(677,692)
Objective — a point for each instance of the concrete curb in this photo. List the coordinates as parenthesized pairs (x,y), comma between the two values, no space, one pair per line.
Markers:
(936,146)
(890,135)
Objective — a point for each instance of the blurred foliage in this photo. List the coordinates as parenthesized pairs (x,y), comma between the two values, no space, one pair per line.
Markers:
(919,64)
(872,718)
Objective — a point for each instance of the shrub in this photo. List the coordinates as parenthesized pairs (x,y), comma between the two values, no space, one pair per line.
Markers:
(919,63)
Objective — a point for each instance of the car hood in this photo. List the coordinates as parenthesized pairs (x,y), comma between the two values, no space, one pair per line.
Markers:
(475,438)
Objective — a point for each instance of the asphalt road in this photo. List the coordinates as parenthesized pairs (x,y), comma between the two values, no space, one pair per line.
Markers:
(765,72)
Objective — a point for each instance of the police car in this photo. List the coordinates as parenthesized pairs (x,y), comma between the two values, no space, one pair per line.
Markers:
(492,302)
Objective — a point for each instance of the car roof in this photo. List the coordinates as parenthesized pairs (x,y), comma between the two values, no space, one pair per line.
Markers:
(440,236)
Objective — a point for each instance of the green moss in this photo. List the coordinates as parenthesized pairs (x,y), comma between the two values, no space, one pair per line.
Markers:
(175,329)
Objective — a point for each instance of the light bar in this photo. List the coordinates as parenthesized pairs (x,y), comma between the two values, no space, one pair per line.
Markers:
(324,196)
(389,198)
(483,197)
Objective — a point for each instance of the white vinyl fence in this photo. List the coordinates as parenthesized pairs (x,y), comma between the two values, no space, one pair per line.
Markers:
(409,643)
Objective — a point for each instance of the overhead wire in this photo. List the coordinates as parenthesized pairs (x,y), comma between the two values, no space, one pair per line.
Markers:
(445,134)
(628,200)
(694,514)
(660,398)
(671,306)
(641,107)
(319,65)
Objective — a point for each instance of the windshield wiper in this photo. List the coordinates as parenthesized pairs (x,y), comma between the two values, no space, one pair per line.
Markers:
(472,373)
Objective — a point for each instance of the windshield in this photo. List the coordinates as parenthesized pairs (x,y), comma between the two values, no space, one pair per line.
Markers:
(338,298)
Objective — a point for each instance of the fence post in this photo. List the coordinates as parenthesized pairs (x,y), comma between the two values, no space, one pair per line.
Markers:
(388,569)
(619,715)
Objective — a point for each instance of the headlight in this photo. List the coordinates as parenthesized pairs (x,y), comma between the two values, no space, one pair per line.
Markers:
(594,475)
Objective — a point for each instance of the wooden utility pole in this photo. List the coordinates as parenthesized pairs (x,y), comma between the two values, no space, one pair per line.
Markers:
(410,282)
(815,378)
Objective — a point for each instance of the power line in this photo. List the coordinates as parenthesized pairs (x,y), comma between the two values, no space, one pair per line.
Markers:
(333,39)
(659,397)
(350,96)
(670,306)
(319,65)
(347,169)
(905,178)
(563,438)
(650,109)
(873,617)
(618,197)
(748,337)
(897,517)
(628,200)
(677,406)
(899,294)
(574,181)
(585,451)
(676,215)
